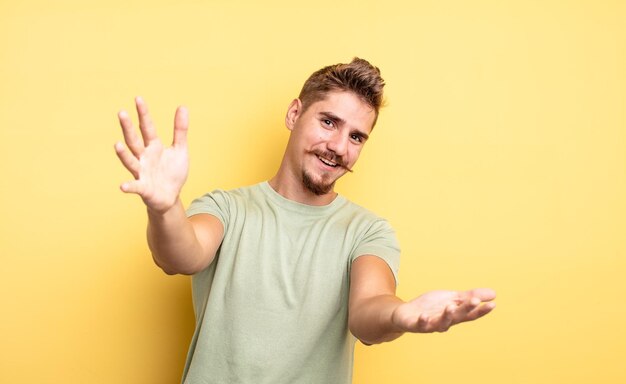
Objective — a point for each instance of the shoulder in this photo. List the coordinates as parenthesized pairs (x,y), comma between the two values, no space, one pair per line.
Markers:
(224,201)
(246,192)
(355,212)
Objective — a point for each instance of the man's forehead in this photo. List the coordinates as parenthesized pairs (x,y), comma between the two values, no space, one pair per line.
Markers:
(343,98)
(347,106)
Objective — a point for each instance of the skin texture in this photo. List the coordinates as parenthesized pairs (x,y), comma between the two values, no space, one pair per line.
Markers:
(178,244)
(335,128)
(377,315)
(325,142)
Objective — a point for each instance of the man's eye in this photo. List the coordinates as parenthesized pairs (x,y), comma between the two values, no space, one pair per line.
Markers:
(357,138)
(328,122)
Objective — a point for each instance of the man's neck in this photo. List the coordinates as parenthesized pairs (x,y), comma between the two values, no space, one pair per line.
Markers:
(291,188)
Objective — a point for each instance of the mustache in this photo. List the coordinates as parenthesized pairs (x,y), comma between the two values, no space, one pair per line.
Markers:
(332,156)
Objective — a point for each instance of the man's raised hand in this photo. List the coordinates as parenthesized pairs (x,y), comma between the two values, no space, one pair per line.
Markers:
(159,172)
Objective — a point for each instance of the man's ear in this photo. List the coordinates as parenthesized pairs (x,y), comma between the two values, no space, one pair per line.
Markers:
(293,112)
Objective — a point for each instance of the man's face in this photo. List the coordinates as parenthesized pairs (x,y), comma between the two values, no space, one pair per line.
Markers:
(327,138)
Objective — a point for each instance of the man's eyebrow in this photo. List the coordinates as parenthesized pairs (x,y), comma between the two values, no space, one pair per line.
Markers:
(363,134)
(340,121)
(332,116)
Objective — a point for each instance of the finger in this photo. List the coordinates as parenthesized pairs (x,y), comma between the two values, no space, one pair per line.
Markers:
(129,161)
(181,125)
(467,305)
(145,122)
(422,323)
(446,318)
(132,187)
(484,294)
(480,311)
(130,137)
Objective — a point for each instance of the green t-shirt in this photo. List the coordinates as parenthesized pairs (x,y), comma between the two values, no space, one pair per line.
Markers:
(273,305)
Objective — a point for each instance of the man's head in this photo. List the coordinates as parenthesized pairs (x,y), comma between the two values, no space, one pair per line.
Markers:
(330,122)
(359,77)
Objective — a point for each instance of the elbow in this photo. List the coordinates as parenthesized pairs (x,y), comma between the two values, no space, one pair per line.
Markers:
(168,269)
(169,272)
(359,331)
(165,268)
(179,270)
(364,340)
(369,333)
(370,339)
(176,271)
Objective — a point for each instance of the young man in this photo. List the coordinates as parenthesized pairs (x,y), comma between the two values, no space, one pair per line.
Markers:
(286,273)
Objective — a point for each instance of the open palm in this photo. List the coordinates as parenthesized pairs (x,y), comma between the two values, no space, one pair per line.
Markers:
(436,311)
(159,172)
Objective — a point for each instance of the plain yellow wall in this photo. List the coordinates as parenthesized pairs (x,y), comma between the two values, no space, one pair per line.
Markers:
(500,160)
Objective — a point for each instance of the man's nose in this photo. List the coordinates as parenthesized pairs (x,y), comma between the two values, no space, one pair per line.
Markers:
(338,143)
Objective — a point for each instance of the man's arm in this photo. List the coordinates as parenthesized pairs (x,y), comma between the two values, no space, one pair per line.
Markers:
(377,315)
(178,244)
(183,245)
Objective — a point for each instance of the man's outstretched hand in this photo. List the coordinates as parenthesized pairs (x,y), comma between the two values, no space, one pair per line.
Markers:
(437,311)
(159,172)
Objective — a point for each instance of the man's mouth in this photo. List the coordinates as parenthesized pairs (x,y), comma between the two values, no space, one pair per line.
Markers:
(331,163)
(327,162)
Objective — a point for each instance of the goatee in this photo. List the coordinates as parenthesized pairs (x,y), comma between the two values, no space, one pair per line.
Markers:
(317,188)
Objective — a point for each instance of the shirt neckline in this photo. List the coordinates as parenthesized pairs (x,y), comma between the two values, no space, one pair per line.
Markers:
(284,202)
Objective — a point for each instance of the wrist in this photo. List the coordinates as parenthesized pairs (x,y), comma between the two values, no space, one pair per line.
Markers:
(160,212)
(398,319)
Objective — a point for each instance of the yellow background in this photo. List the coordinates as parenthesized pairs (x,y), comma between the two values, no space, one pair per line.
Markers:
(500,160)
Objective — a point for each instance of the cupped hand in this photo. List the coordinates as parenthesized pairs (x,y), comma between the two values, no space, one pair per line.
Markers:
(437,311)
(159,172)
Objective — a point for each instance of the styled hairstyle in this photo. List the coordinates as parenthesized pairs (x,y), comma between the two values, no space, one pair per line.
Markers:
(359,77)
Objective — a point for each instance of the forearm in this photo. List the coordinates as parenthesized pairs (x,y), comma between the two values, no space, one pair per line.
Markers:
(372,320)
(173,242)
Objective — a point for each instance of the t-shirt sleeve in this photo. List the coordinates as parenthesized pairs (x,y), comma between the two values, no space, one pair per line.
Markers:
(216,203)
(380,240)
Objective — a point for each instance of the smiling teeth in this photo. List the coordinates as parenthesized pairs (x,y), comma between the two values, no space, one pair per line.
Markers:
(327,162)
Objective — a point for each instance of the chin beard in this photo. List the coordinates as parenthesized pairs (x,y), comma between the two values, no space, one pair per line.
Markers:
(317,188)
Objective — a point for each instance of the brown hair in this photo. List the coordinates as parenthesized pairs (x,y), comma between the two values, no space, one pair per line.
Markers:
(359,77)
